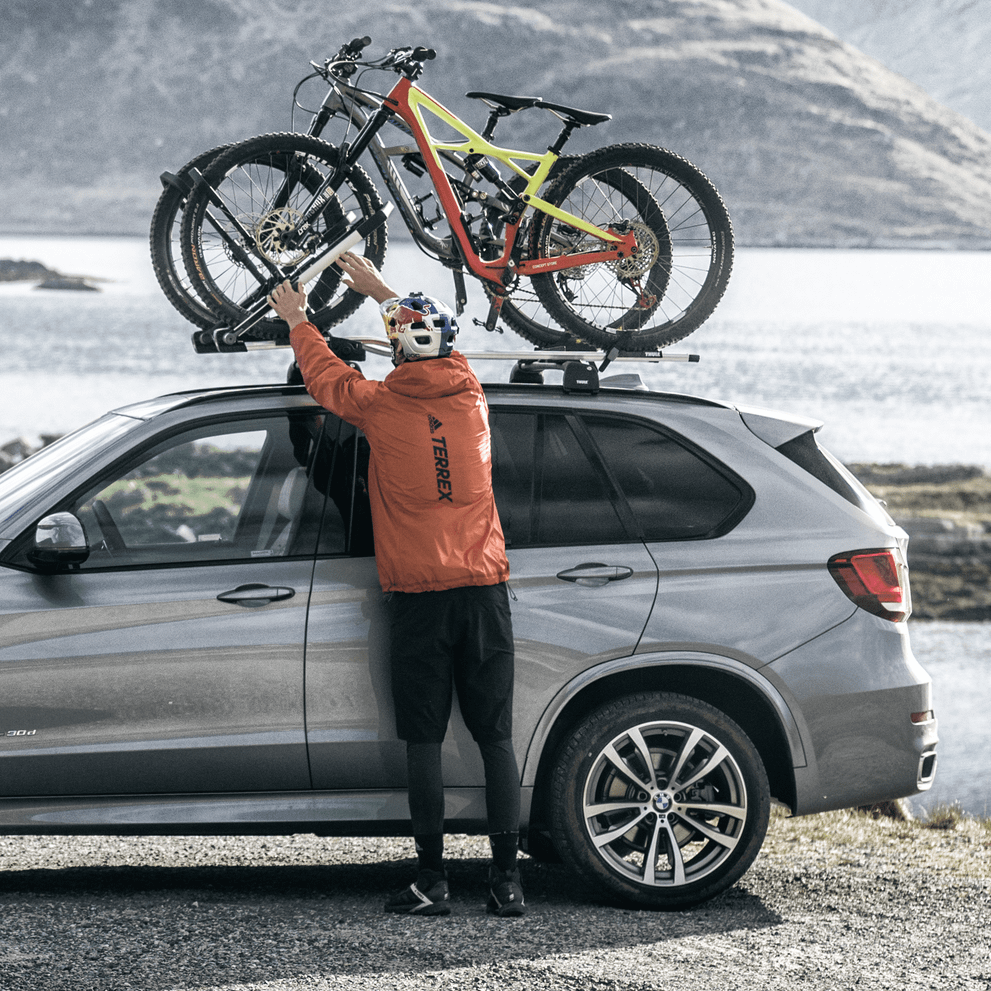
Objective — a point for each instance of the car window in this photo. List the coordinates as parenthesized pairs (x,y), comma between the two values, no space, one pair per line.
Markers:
(675,492)
(547,489)
(219,492)
(341,471)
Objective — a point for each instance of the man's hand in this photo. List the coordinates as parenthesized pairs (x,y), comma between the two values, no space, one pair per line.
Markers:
(362,276)
(289,303)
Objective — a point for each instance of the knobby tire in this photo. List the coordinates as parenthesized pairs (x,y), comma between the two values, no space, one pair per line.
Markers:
(251,179)
(684,233)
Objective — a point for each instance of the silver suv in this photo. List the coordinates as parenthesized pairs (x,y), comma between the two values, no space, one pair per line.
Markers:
(709,612)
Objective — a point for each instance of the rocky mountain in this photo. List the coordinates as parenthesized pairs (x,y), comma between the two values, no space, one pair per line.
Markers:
(941,45)
(809,140)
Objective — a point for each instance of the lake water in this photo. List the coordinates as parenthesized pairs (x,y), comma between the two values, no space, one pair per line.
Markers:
(888,348)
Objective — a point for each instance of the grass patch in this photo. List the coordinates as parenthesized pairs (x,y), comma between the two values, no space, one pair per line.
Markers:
(946,839)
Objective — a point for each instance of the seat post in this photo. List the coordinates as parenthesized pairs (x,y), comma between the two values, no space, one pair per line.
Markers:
(562,138)
(490,125)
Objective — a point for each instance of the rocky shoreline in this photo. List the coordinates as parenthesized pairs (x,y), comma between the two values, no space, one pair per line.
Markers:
(19,270)
(945,509)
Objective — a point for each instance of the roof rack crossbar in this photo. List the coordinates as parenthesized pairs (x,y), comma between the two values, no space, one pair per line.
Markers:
(378,346)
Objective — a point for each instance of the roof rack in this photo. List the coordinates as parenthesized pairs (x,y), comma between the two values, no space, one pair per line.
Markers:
(580,368)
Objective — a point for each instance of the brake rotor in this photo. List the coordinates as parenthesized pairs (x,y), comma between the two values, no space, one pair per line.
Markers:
(649,248)
(274,237)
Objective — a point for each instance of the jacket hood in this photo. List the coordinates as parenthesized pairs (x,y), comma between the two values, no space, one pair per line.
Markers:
(432,377)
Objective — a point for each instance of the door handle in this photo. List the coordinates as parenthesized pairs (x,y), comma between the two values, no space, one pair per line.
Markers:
(255,594)
(594,575)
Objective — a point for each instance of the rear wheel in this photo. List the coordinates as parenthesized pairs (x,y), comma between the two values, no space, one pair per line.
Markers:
(684,239)
(659,799)
(267,185)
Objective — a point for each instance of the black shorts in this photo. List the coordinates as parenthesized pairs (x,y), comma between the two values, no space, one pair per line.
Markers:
(461,637)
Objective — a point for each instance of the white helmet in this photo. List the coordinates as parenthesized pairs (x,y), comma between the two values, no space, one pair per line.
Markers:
(419,327)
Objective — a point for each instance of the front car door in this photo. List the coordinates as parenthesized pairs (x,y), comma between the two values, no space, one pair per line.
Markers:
(171,660)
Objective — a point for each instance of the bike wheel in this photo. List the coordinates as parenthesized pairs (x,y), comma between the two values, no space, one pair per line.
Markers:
(685,240)
(525,312)
(237,255)
(166,253)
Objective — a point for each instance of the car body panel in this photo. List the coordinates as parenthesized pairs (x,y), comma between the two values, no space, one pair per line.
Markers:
(560,627)
(857,686)
(675,655)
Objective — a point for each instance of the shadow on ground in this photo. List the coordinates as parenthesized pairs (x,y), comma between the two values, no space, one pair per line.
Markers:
(224,926)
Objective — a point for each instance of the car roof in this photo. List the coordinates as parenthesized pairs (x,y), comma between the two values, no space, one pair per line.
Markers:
(296,395)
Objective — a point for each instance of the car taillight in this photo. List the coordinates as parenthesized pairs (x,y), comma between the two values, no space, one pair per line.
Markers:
(876,580)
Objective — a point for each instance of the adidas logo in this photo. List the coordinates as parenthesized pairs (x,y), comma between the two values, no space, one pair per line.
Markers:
(435,424)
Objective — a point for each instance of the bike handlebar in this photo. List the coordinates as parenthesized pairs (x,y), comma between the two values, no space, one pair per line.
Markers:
(357,44)
(408,61)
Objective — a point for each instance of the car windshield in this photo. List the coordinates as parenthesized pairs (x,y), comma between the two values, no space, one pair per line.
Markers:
(19,485)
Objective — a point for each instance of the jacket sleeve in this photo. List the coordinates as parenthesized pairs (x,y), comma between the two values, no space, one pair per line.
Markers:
(331,382)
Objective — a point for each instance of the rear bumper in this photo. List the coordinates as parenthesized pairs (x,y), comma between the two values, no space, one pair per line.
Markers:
(857,687)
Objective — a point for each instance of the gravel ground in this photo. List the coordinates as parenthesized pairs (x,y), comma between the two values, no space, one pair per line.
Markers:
(834,901)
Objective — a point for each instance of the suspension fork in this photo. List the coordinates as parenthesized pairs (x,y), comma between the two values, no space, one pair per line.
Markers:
(349,154)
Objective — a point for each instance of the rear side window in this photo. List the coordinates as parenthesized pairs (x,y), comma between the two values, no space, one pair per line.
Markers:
(805,452)
(674,491)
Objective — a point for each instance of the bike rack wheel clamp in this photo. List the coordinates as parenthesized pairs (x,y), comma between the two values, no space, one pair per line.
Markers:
(228,339)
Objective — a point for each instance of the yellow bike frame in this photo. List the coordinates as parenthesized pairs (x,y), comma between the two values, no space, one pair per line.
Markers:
(411,104)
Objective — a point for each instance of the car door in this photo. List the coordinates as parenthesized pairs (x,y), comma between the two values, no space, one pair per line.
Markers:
(349,707)
(582,590)
(583,583)
(171,660)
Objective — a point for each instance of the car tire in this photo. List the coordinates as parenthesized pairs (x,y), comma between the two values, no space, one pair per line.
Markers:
(695,817)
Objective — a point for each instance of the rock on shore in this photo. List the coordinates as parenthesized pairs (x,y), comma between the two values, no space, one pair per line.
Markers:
(19,270)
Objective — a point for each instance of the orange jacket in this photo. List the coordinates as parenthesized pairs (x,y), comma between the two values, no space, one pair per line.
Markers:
(430,471)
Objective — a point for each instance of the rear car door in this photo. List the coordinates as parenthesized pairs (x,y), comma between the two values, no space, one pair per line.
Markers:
(583,581)
(582,589)
(171,660)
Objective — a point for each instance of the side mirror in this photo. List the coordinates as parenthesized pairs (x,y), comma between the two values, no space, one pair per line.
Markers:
(59,540)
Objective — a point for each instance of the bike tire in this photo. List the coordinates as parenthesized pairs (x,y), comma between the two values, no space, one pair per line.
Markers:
(166,251)
(674,283)
(249,177)
(525,312)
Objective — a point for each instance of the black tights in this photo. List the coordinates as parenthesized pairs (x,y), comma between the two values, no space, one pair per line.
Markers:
(426,787)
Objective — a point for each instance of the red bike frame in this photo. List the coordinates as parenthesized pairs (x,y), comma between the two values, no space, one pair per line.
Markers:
(409,103)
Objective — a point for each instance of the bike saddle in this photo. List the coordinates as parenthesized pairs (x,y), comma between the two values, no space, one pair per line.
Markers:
(581,117)
(511,104)
(508,103)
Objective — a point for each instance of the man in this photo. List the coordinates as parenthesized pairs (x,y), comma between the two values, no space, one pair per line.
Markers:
(441,559)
